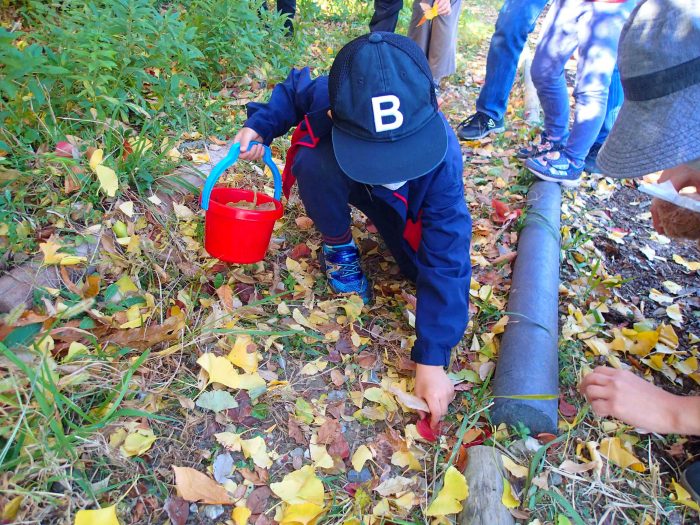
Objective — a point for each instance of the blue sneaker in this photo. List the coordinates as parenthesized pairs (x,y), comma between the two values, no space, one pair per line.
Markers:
(545,145)
(556,167)
(342,266)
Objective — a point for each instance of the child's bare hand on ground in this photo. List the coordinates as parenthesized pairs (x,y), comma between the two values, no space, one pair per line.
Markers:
(629,398)
(245,136)
(433,385)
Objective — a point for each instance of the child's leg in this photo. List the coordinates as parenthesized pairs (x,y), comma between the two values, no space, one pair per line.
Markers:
(325,191)
(599,32)
(558,41)
(442,48)
(420,35)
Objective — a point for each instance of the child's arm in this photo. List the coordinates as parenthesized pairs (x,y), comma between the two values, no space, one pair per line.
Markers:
(444,274)
(635,401)
(288,104)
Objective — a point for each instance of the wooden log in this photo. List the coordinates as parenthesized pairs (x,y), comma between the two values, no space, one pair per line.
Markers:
(484,474)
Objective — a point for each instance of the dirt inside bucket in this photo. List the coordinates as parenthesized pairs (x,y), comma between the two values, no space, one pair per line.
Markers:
(252,205)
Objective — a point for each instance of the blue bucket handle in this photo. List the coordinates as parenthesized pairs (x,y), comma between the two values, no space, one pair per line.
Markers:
(229,160)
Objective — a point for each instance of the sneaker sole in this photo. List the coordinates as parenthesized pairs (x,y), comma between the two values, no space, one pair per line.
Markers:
(494,130)
(565,183)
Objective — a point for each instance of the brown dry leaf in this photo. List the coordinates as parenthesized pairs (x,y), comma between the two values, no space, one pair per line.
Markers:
(329,432)
(304,223)
(196,487)
(177,509)
(146,337)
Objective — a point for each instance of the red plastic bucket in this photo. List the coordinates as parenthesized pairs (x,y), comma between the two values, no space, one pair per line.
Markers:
(236,235)
(233,234)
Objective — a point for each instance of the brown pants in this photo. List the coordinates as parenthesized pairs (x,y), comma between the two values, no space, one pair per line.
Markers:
(437,38)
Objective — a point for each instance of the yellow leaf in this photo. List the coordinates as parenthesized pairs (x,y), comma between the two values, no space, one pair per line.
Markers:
(200,158)
(51,256)
(256,449)
(301,514)
(126,285)
(612,449)
(299,487)
(511,466)
(229,440)
(382,397)
(405,458)
(314,367)
(429,12)
(106,516)
(240,356)
(221,371)
(96,159)
(127,208)
(682,496)
(674,312)
(320,456)
(240,515)
(500,326)
(137,442)
(134,317)
(453,492)
(508,498)
(408,400)
(691,266)
(108,180)
(360,457)
(9,512)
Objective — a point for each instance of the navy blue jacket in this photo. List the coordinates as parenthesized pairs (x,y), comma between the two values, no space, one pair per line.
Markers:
(440,267)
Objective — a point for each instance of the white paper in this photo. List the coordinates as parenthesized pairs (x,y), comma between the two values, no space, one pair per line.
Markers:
(666,191)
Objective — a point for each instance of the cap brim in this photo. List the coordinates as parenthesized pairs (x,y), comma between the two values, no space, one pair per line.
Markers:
(391,162)
(653,135)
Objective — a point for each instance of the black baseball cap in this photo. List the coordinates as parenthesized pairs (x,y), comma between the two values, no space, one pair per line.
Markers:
(386,123)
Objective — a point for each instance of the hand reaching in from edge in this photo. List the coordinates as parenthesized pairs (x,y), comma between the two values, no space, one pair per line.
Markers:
(433,385)
(245,136)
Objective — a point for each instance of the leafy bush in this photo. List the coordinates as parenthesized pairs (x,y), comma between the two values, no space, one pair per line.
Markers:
(130,60)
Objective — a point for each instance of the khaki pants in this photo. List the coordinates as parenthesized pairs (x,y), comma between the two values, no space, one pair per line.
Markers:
(437,38)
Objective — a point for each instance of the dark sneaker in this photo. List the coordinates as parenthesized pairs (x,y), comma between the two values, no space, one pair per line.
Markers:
(478,126)
(556,167)
(342,266)
(545,145)
(591,162)
(690,479)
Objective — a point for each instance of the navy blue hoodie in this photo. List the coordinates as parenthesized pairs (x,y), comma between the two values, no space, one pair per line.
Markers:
(439,261)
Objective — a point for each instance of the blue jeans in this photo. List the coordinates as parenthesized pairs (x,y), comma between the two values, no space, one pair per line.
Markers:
(516,20)
(594,29)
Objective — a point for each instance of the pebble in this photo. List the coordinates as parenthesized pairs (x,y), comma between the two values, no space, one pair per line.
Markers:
(359,477)
(337,395)
(194,509)
(213,511)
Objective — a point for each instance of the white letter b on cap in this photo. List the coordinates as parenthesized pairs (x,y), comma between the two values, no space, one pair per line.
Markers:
(391,111)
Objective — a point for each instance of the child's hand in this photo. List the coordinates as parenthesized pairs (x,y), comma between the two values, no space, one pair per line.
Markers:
(433,385)
(444,7)
(245,136)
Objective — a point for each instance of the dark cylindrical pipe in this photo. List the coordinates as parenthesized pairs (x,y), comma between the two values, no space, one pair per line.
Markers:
(528,362)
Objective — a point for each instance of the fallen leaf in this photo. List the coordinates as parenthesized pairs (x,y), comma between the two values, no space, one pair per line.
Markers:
(511,466)
(196,487)
(137,442)
(96,159)
(256,449)
(508,498)
(423,428)
(177,509)
(674,313)
(105,516)
(682,496)
(409,400)
(216,400)
(240,515)
(429,12)
(449,499)
(221,371)
(360,457)
(301,514)
(241,357)
(109,183)
(691,266)
(299,487)
(613,450)
(10,510)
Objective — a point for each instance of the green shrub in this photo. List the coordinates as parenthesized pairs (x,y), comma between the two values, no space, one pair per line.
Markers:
(131,60)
